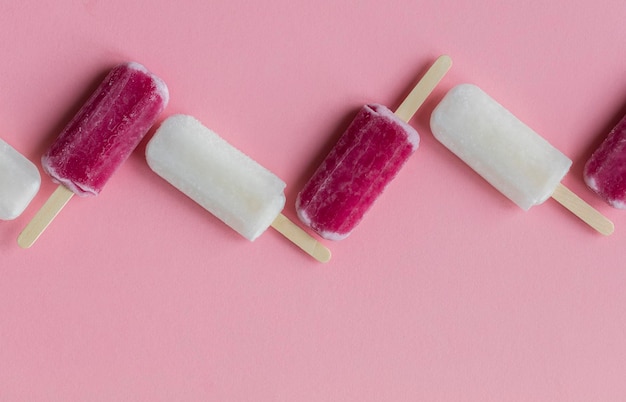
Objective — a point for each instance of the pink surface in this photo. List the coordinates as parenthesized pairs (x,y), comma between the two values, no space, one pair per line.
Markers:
(445,291)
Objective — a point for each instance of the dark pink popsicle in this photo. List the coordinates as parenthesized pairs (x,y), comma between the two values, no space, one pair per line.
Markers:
(106,129)
(365,159)
(605,171)
(99,139)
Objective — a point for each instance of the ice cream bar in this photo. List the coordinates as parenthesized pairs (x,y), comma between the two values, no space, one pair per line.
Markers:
(507,153)
(363,162)
(19,182)
(223,180)
(605,171)
(100,138)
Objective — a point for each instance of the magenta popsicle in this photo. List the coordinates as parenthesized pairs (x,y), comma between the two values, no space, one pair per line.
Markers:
(101,136)
(106,129)
(366,158)
(605,171)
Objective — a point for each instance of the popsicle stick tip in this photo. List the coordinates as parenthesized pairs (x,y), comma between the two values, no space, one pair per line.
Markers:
(321,253)
(444,60)
(584,211)
(301,238)
(609,229)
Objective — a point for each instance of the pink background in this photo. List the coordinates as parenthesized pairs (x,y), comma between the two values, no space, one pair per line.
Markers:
(446,291)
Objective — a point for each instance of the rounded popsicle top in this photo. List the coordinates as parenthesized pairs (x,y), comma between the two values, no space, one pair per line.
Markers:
(19,182)
(107,128)
(412,137)
(161,88)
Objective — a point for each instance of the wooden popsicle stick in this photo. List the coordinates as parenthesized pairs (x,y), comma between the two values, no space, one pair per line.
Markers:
(581,209)
(301,238)
(424,87)
(44,216)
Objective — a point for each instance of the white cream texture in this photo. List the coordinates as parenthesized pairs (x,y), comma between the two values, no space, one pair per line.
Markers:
(498,146)
(19,182)
(216,175)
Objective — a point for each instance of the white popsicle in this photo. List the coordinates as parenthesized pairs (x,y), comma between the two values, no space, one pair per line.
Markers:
(226,182)
(507,153)
(19,182)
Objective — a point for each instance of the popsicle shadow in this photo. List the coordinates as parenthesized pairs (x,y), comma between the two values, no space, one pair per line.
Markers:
(7,237)
(140,152)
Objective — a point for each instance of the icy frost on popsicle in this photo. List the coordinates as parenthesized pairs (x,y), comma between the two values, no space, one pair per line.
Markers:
(19,182)
(226,182)
(507,153)
(365,159)
(605,171)
(101,136)
(106,129)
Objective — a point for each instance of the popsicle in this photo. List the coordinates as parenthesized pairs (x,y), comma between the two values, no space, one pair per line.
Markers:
(225,181)
(605,171)
(19,182)
(507,153)
(101,136)
(367,157)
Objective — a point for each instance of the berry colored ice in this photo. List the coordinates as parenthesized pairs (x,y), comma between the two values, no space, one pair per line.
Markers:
(225,181)
(101,136)
(19,182)
(504,151)
(605,171)
(366,158)
(107,128)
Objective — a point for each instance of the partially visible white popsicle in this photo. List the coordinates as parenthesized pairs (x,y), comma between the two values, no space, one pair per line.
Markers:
(19,182)
(507,153)
(226,182)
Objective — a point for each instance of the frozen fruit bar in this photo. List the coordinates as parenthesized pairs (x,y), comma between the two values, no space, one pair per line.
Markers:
(19,182)
(99,138)
(605,171)
(226,182)
(507,153)
(106,129)
(366,158)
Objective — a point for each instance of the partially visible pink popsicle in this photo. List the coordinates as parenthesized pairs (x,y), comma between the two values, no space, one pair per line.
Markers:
(101,136)
(605,171)
(365,159)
